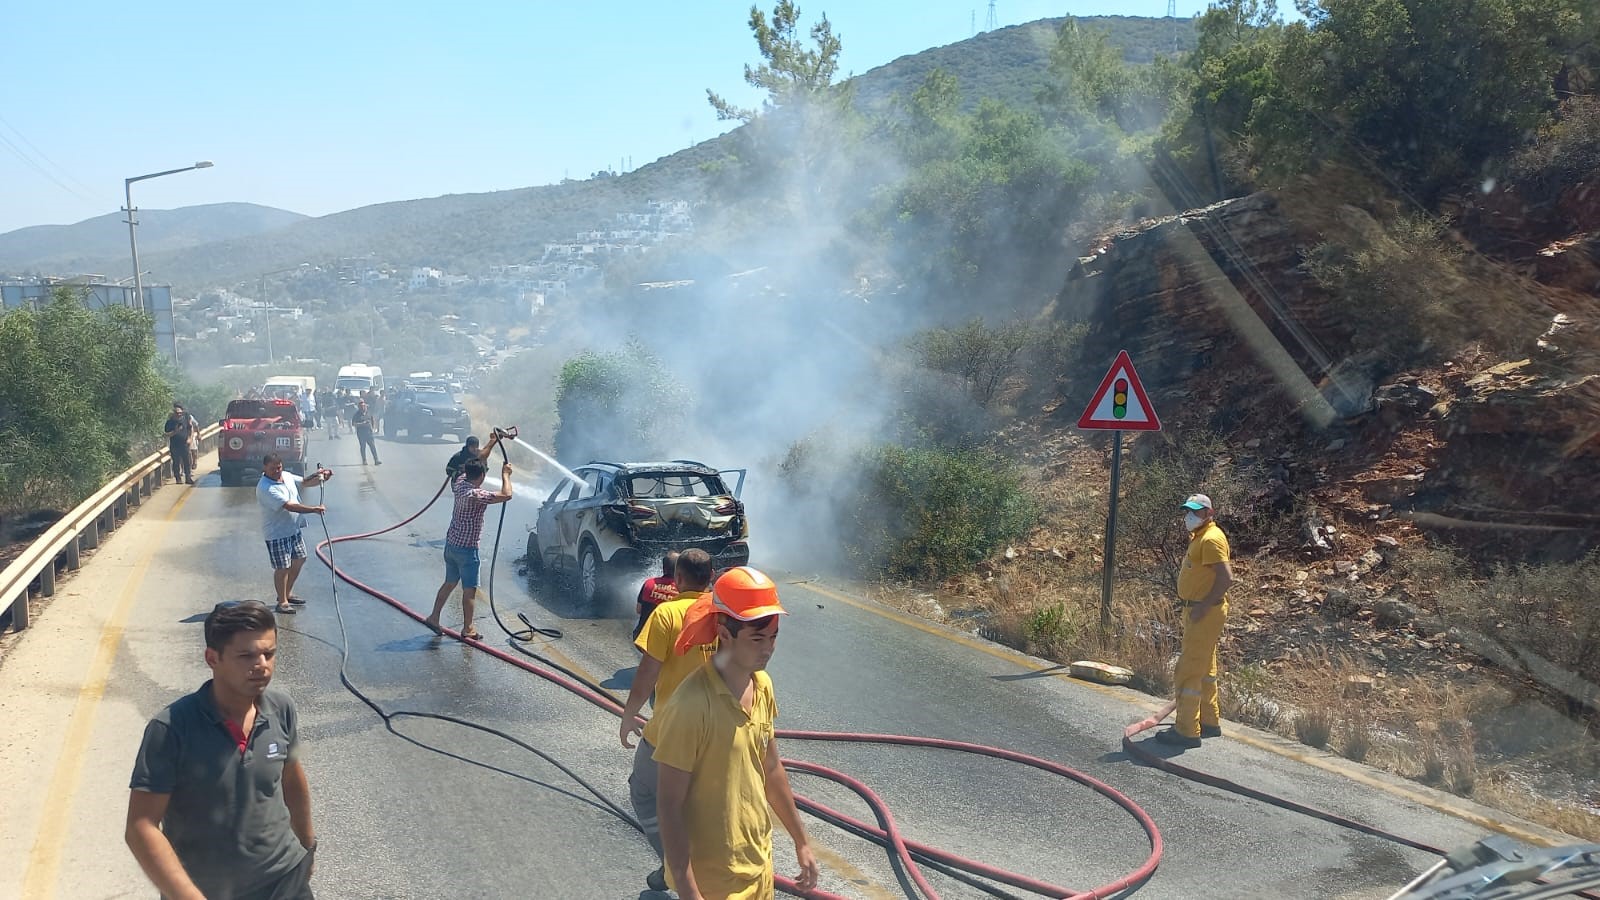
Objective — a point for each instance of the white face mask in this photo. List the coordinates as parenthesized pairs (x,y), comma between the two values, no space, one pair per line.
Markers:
(1193,520)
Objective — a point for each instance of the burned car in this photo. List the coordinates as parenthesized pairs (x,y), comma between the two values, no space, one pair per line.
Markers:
(623,517)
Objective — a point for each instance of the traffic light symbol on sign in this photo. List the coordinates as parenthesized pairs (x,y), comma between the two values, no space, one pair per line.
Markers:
(1119,398)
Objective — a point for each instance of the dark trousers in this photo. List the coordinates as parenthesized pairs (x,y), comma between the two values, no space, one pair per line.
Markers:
(180,460)
(364,435)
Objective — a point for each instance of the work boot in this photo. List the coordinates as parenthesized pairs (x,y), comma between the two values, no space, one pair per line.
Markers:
(657,880)
(1210,731)
(1178,739)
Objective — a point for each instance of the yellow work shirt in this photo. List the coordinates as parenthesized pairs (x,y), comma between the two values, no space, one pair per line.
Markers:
(704,731)
(660,633)
(1207,547)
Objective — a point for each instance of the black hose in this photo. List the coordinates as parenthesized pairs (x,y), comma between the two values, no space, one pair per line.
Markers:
(388,717)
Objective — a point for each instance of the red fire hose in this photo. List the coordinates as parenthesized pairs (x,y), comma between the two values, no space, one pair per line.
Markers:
(906,852)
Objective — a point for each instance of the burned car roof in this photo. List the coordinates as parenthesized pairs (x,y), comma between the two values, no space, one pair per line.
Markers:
(676,465)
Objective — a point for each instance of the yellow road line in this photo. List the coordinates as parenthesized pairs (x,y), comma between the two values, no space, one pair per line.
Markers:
(45,857)
(1125,695)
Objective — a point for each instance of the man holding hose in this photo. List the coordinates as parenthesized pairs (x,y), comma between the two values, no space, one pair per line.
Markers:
(461,541)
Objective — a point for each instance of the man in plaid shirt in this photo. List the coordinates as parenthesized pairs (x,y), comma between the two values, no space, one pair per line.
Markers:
(461,541)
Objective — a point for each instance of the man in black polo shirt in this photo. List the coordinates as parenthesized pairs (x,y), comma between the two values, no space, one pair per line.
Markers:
(470,450)
(220,808)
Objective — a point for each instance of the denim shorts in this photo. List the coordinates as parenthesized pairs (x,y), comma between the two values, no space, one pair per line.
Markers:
(461,564)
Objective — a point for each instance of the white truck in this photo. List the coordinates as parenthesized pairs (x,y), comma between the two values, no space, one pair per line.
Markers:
(281,386)
(359,377)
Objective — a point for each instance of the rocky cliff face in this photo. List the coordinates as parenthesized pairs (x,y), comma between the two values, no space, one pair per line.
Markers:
(1231,333)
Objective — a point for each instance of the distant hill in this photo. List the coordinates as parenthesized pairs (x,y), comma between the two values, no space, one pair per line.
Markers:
(1012,64)
(59,248)
(464,232)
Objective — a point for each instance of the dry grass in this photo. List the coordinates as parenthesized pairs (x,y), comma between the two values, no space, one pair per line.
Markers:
(1447,732)
(1314,726)
(1355,735)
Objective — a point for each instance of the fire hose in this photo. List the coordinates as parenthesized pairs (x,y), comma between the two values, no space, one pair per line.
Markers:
(910,855)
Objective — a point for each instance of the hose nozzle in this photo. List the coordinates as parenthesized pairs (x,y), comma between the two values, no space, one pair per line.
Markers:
(509,431)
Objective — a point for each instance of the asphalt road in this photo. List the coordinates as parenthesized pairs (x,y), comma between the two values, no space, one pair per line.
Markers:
(443,811)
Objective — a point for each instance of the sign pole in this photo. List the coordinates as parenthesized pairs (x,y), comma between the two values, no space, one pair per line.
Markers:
(1111,535)
(1120,404)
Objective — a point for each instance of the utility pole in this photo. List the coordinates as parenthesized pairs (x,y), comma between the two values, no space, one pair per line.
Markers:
(994,21)
(1172,13)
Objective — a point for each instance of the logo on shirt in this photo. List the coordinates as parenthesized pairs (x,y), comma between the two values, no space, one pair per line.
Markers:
(276,752)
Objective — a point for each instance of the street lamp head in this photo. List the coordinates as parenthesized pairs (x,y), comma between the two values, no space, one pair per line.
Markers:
(203,164)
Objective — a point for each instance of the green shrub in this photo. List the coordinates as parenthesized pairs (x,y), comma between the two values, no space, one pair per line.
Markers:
(932,512)
(80,399)
(1402,289)
(615,405)
(1050,630)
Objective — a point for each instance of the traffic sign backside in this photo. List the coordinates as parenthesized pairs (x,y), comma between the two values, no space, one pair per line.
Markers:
(1120,403)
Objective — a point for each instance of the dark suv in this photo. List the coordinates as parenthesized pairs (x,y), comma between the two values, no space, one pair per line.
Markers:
(426,410)
(624,517)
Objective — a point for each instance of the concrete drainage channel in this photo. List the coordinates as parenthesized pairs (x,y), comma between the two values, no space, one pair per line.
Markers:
(61,548)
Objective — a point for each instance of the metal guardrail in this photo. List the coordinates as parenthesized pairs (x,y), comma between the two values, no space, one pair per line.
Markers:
(60,548)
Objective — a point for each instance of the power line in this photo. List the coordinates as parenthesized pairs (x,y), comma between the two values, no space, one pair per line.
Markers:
(45,172)
(42,155)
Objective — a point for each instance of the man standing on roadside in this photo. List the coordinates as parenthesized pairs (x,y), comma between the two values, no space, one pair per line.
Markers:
(461,541)
(661,669)
(308,408)
(282,517)
(1203,583)
(220,806)
(363,423)
(718,763)
(179,426)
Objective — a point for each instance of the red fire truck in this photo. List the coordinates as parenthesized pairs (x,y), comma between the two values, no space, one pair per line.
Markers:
(255,428)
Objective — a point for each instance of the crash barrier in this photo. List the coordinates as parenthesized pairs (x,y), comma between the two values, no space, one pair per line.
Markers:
(60,548)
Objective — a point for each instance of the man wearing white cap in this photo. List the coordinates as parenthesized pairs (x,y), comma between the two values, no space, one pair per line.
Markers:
(1203,583)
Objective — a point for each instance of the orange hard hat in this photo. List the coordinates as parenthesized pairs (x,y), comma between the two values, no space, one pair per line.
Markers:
(746,594)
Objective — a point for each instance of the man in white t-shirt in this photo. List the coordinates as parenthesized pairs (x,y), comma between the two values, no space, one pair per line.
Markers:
(282,516)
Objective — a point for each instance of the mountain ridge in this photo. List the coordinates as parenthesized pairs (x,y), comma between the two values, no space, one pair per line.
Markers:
(464,232)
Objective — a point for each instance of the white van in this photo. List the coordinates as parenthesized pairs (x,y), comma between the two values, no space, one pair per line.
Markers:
(359,377)
(281,386)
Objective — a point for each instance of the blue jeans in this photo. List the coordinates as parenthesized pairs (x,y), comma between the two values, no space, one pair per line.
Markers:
(461,564)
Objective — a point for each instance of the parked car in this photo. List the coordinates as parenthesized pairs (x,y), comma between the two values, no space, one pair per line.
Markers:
(426,409)
(254,428)
(623,517)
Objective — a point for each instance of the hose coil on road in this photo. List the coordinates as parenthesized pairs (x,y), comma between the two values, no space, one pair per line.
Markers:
(909,855)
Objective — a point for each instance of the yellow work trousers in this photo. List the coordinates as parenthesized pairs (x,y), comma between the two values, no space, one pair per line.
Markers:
(1196,676)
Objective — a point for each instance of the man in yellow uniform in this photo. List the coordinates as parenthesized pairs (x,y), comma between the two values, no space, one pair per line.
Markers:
(1203,584)
(661,669)
(718,757)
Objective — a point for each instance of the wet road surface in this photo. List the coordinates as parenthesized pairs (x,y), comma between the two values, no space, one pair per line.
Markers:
(445,811)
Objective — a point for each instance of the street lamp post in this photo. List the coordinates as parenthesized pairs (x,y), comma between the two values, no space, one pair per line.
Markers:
(133,221)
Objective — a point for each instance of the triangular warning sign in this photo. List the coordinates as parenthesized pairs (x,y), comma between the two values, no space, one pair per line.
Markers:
(1120,403)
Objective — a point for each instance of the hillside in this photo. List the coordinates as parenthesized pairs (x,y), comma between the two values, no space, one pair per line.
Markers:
(467,231)
(67,248)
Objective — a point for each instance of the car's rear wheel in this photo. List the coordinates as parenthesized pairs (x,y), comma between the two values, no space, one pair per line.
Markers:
(534,559)
(590,575)
(230,475)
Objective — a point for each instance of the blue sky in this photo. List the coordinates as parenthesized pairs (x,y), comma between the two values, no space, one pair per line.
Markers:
(319,107)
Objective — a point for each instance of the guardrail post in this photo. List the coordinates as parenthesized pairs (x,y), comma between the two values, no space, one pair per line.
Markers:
(20,616)
(47,580)
(89,538)
(74,555)
(119,509)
